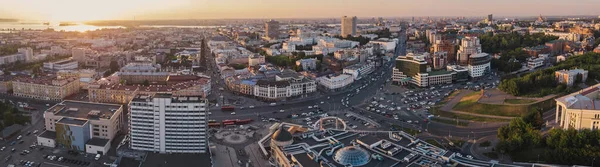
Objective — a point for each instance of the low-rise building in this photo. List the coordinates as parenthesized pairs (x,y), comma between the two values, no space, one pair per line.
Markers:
(179,85)
(307,64)
(136,73)
(479,65)
(360,70)
(333,82)
(65,64)
(569,77)
(289,145)
(45,87)
(579,110)
(535,62)
(82,126)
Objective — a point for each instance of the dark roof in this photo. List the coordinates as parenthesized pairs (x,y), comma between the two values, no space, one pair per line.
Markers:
(98,142)
(281,135)
(12,129)
(272,83)
(179,160)
(67,120)
(128,162)
(48,134)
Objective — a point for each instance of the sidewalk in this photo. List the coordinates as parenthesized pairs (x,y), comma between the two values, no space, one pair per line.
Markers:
(225,157)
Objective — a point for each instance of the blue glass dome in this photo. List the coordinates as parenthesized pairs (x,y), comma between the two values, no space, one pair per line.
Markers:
(352,155)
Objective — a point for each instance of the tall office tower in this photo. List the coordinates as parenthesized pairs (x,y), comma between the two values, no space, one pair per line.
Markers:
(272,29)
(489,18)
(468,46)
(348,26)
(168,124)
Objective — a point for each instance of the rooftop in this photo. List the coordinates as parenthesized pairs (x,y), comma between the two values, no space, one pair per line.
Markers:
(174,99)
(84,110)
(98,142)
(72,121)
(588,98)
(174,83)
(48,134)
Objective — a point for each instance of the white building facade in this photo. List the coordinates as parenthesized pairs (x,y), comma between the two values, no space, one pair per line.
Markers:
(335,82)
(167,124)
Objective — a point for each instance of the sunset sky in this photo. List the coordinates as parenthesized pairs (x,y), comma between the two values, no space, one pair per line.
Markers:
(81,10)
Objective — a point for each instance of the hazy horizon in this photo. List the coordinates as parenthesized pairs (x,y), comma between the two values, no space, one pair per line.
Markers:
(88,10)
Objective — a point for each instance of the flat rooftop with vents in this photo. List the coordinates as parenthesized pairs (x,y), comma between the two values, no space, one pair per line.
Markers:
(84,110)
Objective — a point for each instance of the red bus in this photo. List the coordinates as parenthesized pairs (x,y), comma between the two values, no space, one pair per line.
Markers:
(228,108)
(215,124)
(228,123)
(241,122)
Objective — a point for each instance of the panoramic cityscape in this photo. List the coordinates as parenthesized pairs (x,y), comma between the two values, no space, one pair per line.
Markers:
(299,84)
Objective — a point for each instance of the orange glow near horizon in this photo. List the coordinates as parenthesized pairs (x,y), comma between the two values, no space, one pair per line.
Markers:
(86,10)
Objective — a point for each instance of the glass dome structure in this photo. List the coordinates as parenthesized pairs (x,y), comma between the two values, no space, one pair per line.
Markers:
(352,155)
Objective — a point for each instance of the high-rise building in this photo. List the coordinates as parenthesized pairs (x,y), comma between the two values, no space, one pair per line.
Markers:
(468,46)
(348,26)
(272,29)
(489,18)
(168,124)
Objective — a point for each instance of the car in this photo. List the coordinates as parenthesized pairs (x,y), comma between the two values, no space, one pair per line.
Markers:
(13,150)
(281,110)
(19,137)
(322,102)
(35,131)
(60,159)
(20,141)
(469,156)
(250,106)
(2,149)
(232,113)
(310,107)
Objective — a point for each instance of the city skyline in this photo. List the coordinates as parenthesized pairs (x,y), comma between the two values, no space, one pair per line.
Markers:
(72,10)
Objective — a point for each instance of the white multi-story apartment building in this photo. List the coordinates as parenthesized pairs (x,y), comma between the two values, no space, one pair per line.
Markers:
(535,62)
(168,124)
(360,70)
(23,55)
(335,81)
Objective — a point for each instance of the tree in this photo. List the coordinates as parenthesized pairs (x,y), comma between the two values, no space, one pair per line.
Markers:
(8,119)
(146,83)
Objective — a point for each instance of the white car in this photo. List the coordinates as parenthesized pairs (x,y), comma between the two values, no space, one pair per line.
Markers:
(309,107)
(232,113)
(322,102)
(251,107)
(469,156)
(281,110)
(35,131)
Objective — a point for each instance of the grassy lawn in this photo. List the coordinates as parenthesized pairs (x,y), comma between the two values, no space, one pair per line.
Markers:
(519,101)
(435,111)
(469,104)
(457,143)
(492,155)
(450,122)
(451,96)
(485,144)
(407,130)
